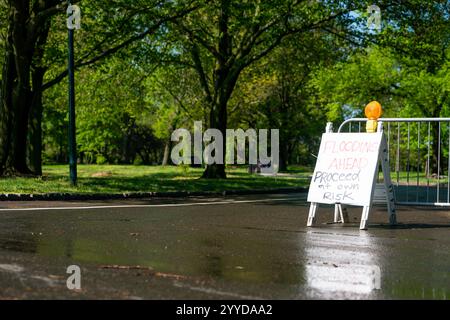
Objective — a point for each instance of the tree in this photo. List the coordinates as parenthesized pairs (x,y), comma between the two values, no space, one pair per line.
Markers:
(108,119)
(416,34)
(278,86)
(226,37)
(421,39)
(172,102)
(22,77)
(345,88)
(403,85)
(111,26)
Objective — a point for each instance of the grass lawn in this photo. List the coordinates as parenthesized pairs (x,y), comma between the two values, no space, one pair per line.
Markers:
(129,178)
(413,177)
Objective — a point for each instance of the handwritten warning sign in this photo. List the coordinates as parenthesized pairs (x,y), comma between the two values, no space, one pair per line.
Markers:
(345,168)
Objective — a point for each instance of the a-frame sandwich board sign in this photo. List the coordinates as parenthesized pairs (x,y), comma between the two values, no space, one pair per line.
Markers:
(346,174)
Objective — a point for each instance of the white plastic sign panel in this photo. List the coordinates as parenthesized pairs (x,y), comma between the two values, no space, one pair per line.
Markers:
(345,168)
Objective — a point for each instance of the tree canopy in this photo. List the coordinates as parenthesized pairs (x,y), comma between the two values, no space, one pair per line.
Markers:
(147,67)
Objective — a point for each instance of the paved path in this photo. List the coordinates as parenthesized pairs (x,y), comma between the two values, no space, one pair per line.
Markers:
(223,248)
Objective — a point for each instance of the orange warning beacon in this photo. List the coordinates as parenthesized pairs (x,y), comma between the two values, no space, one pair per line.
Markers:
(373,111)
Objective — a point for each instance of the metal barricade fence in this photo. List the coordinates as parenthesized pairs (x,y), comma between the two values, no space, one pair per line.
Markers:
(418,151)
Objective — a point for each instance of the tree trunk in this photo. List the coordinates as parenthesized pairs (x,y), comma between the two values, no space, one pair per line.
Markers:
(6,116)
(285,101)
(15,111)
(35,135)
(214,171)
(284,154)
(24,38)
(218,120)
(35,124)
(225,80)
(166,156)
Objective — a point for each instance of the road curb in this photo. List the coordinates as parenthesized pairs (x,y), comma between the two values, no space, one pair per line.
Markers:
(140,195)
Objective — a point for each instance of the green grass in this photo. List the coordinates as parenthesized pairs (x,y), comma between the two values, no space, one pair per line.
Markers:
(404,177)
(128,178)
(412,178)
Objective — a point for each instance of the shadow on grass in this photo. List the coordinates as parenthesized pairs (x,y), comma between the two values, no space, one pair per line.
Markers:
(128,179)
(171,182)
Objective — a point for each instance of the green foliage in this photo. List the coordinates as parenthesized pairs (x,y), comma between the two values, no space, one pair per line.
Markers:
(173,100)
(405,88)
(110,104)
(346,87)
(100,159)
(291,65)
(276,93)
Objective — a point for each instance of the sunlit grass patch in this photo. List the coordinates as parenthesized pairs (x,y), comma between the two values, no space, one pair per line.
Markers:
(130,178)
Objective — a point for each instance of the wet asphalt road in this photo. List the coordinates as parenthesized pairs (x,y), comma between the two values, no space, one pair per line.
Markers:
(223,248)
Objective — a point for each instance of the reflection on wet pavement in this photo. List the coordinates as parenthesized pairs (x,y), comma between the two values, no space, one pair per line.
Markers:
(341,265)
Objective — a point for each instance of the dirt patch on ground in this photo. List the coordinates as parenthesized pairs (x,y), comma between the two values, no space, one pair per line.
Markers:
(101,174)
